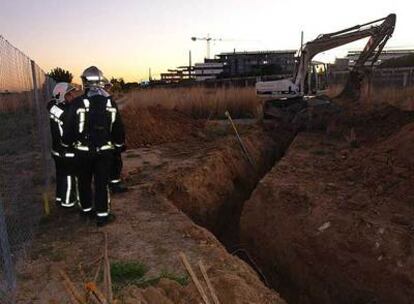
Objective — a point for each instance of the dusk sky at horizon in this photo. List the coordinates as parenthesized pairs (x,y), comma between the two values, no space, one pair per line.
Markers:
(126,38)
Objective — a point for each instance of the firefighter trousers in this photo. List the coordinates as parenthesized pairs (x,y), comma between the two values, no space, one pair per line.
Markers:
(66,182)
(96,167)
(116,168)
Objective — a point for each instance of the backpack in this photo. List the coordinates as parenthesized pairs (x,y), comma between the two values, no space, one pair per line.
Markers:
(98,123)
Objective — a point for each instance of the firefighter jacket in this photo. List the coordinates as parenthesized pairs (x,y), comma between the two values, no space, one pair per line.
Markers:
(94,124)
(57,113)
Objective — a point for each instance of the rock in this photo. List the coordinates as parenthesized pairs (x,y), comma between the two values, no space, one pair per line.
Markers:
(324,226)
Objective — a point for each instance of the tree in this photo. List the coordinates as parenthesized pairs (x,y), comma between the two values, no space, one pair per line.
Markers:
(118,84)
(61,75)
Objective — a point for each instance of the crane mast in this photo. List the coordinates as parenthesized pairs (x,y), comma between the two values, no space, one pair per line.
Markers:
(208,40)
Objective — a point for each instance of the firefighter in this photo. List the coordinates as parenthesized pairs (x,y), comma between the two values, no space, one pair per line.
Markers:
(95,131)
(116,184)
(64,157)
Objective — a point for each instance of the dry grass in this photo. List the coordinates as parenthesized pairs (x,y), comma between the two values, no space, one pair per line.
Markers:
(199,103)
(402,98)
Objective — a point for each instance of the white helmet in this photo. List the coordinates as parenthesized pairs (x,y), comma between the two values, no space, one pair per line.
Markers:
(60,90)
(93,77)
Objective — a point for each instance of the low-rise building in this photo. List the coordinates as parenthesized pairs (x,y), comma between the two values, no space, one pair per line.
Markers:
(352,57)
(211,69)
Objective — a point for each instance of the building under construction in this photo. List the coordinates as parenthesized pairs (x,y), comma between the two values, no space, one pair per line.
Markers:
(235,65)
(246,64)
(343,64)
(257,63)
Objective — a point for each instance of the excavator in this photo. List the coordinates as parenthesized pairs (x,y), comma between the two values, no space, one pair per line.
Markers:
(283,92)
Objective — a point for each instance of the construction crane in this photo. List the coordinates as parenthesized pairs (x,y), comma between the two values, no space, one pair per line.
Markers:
(208,39)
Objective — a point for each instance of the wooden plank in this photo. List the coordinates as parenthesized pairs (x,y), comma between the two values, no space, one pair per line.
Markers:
(194,278)
(209,285)
(71,287)
(97,295)
(107,272)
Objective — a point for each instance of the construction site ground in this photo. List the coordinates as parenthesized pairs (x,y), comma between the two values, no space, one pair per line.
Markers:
(169,185)
(319,216)
(333,221)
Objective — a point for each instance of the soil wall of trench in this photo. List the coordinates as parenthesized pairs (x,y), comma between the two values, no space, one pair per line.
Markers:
(333,224)
(212,193)
(322,228)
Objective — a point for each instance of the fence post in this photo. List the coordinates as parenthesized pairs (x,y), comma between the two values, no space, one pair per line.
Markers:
(42,139)
(6,252)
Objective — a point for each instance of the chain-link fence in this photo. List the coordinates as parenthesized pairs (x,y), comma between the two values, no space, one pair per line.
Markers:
(388,77)
(391,85)
(24,158)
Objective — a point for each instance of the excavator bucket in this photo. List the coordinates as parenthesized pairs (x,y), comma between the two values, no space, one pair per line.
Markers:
(371,52)
(352,88)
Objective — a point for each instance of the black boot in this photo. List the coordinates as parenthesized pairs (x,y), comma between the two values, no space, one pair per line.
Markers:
(118,188)
(87,216)
(105,220)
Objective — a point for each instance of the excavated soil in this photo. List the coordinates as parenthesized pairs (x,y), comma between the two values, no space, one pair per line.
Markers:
(330,223)
(170,185)
(156,125)
(333,221)
(212,196)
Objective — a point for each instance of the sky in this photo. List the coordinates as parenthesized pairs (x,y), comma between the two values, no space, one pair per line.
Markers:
(126,38)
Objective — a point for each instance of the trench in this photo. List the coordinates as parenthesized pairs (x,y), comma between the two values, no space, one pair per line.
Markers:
(224,222)
(214,191)
(229,234)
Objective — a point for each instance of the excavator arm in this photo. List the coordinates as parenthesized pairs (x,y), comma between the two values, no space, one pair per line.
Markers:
(372,50)
(379,30)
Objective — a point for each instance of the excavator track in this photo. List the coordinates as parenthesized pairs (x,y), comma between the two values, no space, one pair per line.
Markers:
(301,113)
(283,109)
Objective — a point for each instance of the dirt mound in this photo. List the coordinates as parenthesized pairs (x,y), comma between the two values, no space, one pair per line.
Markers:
(333,224)
(401,144)
(155,125)
(369,122)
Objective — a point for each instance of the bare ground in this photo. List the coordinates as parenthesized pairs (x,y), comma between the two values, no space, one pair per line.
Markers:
(151,227)
(330,223)
(333,220)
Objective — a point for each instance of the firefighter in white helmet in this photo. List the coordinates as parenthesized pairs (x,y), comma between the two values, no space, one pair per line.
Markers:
(96,132)
(63,155)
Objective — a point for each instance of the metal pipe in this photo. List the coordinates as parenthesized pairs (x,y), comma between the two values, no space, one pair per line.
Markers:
(244,149)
